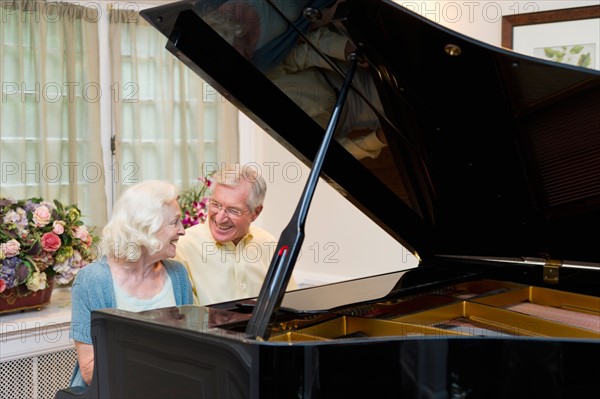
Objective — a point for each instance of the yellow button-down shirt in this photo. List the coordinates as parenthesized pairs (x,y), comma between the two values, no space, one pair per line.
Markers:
(226,272)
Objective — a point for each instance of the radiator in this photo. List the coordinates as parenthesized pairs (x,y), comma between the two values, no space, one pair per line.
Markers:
(36,377)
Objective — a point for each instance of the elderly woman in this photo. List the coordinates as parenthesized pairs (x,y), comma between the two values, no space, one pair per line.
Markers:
(135,274)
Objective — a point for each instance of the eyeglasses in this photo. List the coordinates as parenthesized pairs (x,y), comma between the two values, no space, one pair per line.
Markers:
(233,213)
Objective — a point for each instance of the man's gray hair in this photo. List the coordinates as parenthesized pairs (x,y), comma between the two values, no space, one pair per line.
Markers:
(234,174)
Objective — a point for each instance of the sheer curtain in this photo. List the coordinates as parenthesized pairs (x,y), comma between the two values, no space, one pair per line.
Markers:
(167,121)
(49,113)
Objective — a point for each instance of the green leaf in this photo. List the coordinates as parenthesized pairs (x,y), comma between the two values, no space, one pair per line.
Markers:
(576,49)
(58,205)
(585,60)
(549,52)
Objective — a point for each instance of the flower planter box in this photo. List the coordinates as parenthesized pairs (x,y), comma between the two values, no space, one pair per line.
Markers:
(41,243)
(20,298)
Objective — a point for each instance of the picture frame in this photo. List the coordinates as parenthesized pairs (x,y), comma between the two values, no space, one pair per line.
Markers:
(570,35)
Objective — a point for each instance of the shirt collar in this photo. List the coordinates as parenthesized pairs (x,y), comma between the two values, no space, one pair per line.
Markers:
(245,240)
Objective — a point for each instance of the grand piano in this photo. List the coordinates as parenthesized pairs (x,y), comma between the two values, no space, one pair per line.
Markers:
(488,171)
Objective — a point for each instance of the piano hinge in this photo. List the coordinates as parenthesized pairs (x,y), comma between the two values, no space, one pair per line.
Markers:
(551,267)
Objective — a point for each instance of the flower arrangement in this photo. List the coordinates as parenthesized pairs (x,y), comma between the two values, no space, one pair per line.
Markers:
(194,201)
(38,240)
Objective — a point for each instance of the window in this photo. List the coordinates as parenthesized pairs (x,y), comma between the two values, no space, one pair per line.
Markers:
(49,130)
(165,121)
(166,117)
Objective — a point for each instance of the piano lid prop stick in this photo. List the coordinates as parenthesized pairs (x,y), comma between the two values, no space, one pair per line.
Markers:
(290,241)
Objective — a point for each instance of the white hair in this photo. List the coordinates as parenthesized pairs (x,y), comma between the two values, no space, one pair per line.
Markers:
(234,174)
(137,216)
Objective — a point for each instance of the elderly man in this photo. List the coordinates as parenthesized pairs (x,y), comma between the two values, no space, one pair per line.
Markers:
(227,258)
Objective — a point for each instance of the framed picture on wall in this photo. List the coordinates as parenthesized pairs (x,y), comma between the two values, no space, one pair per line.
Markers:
(570,36)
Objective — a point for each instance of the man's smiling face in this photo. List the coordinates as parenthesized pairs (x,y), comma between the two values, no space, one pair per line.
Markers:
(234,225)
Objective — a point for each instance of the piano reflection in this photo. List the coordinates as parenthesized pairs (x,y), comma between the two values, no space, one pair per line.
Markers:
(490,161)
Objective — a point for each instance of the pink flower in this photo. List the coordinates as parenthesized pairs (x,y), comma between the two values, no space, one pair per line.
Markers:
(58,227)
(2,285)
(82,233)
(50,242)
(41,216)
(11,248)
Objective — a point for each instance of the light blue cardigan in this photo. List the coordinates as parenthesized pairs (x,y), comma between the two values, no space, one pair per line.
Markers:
(93,289)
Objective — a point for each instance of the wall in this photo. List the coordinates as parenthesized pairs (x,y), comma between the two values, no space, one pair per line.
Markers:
(340,242)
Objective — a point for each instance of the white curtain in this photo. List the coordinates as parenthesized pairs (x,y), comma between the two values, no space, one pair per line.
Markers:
(165,126)
(50,108)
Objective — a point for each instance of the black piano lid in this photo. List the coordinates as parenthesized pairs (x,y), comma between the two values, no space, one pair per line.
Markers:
(491,153)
